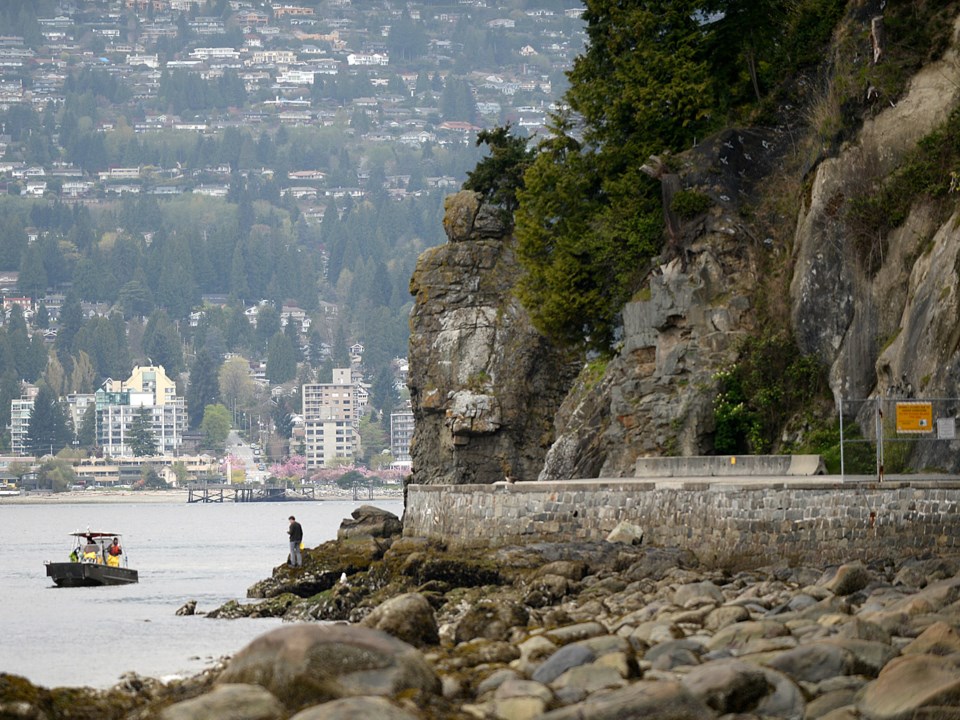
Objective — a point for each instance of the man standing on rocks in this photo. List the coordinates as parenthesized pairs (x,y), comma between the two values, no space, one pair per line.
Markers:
(296,537)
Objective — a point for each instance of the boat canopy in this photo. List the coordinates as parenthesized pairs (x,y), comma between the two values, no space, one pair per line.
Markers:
(90,534)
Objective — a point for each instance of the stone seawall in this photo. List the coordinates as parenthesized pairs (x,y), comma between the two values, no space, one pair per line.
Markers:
(800,521)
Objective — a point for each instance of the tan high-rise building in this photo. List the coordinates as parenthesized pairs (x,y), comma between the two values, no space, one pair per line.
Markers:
(329,420)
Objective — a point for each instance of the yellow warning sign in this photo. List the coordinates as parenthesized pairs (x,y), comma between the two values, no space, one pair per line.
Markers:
(914,417)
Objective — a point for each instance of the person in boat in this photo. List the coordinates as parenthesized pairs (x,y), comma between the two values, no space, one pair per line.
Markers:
(75,555)
(91,551)
(113,553)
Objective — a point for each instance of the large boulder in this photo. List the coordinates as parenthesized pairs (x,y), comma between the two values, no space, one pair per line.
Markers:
(408,617)
(309,664)
(370,521)
(908,684)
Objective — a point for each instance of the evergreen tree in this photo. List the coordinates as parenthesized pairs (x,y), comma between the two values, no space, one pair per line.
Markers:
(10,389)
(589,220)
(239,332)
(383,395)
(176,290)
(340,352)
(87,432)
(162,343)
(42,318)
(37,358)
(268,323)
(316,348)
(71,320)
(13,242)
(281,359)
(48,431)
(19,339)
(32,280)
(282,421)
(203,389)
(500,175)
(134,298)
(140,434)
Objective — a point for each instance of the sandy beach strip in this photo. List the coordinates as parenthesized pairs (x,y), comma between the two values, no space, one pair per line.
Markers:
(96,496)
(178,495)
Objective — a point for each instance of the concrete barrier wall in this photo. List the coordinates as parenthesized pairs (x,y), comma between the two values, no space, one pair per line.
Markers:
(800,521)
(728,466)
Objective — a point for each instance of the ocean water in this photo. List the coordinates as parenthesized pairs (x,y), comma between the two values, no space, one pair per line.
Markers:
(210,553)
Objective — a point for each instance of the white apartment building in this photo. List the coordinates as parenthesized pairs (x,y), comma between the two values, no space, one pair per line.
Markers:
(329,419)
(77,404)
(21,410)
(401,433)
(119,403)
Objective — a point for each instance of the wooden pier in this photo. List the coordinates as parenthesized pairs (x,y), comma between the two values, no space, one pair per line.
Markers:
(218,493)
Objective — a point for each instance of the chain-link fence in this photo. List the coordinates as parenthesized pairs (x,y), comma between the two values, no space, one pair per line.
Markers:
(892,435)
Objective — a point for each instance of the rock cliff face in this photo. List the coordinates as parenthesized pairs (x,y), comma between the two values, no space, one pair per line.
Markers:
(889,332)
(656,395)
(484,385)
(485,391)
(892,332)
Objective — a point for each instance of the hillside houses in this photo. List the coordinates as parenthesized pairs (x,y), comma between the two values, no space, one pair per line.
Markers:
(292,62)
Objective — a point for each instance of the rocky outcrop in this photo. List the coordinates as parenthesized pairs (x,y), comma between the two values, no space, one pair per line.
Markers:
(484,384)
(655,397)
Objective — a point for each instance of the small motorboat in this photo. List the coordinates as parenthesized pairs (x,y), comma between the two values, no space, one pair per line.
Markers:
(97,559)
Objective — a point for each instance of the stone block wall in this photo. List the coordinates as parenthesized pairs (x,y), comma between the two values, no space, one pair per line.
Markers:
(799,521)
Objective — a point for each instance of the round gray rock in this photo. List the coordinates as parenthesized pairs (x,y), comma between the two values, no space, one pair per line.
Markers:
(373,708)
(309,664)
(491,620)
(228,702)
(408,617)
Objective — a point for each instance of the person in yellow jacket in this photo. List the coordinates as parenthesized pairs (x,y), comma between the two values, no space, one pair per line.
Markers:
(91,552)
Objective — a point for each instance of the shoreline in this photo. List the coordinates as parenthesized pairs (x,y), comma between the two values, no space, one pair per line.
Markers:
(178,495)
(97,496)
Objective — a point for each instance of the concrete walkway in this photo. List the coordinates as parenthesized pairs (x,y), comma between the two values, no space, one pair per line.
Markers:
(810,481)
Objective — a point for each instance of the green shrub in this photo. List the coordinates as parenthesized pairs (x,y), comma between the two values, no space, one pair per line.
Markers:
(757,396)
(688,204)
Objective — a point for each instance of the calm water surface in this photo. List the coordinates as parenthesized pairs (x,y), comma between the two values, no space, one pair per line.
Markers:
(210,553)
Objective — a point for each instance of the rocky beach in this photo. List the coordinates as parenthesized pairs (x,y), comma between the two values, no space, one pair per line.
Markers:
(398,628)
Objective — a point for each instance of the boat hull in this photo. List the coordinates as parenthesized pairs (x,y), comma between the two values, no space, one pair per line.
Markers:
(75,574)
